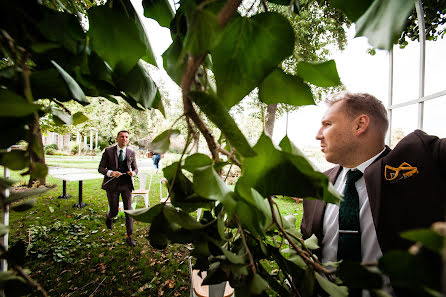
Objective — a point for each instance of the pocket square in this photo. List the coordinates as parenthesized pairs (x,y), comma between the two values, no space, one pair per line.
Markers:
(394,174)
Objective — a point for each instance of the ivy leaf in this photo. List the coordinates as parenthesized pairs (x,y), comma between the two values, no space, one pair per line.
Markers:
(254,199)
(250,218)
(14,105)
(61,117)
(79,117)
(196,161)
(263,41)
(203,30)
(120,46)
(331,288)
(285,172)
(172,63)
(14,160)
(159,10)
(258,284)
(429,238)
(145,215)
(279,87)
(384,21)
(353,9)
(24,206)
(311,242)
(161,143)
(139,85)
(73,88)
(219,115)
(181,218)
(321,74)
(158,232)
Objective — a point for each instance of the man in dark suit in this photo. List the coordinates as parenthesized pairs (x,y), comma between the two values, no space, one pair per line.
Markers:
(397,190)
(118,165)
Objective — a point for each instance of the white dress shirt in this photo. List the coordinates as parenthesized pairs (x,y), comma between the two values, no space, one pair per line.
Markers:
(124,151)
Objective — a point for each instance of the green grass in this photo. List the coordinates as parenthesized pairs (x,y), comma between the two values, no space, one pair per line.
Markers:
(71,253)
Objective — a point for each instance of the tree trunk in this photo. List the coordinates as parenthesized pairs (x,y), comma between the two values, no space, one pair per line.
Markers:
(270,119)
(35,144)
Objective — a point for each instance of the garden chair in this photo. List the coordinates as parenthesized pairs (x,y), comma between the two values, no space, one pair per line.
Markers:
(197,290)
(142,189)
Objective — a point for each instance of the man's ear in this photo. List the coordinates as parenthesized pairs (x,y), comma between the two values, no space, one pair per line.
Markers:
(361,124)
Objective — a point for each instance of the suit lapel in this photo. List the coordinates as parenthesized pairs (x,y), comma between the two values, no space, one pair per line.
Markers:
(115,155)
(373,178)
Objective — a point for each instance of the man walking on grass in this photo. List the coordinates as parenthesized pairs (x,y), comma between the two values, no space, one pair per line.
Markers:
(118,165)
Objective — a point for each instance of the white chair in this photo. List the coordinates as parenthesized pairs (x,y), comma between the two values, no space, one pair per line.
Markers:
(142,189)
(197,290)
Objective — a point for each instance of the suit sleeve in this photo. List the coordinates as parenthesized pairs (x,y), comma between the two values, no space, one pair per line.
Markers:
(103,164)
(134,166)
(440,153)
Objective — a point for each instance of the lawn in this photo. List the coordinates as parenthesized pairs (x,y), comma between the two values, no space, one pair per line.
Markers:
(71,253)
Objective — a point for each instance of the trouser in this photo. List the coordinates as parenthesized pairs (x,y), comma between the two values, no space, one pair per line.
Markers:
(113,203)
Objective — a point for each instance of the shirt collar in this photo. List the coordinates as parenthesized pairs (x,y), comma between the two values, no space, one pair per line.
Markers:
(124,149)
(361,167)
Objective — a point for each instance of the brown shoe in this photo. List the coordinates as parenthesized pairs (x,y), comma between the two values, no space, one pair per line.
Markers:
(130,241)
(108,222)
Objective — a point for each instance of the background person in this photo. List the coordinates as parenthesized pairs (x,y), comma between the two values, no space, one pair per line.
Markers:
(118,165)
(395,190)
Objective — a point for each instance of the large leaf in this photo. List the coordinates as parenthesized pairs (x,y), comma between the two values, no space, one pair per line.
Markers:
(181,218)
(3,229)
(279,87)
(24,206)
(72,86)
(331,288)
(258,284)
(79,117)
(14,160)
(322,74)
(172,63)
(158,232)
(14,105)
(159,10)
(196,161)
(61,117)
(285,172)
(353,9)
(203,30)
(428,237)
(249,50)
(208,184)
(38,170)
(120,46)
(384,21)
(17,130)
(161,143)
(139,85)
(146,215)
(16,196)
(254,199)
(219,115)
(354,275)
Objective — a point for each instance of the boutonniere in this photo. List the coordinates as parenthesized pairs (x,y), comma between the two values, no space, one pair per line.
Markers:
(394,174)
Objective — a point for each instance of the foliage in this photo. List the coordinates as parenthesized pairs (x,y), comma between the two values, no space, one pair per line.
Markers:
(49,149)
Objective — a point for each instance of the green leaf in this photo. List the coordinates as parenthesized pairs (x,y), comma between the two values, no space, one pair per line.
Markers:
(79,117)
(331,288)
(13,105)
(120,46)
(145,215)
(25,205)
(353,9)
(258,284)
(14,160)
(384,21)
(428,237)
(311,242)
(73,88)
(158,232)
(196,161)
(208,184)
(181,218)
(321,74)
(262,42)
(203,30)
(285,172)
(51,209)
(161,143)
(3,229)
(254,199)
(38,170)
(139,85)
(173,62)
(296,259)
(250,218)
(354,275)
(279,87)
(159,10)
(219,115)
(61,117)
(16,196)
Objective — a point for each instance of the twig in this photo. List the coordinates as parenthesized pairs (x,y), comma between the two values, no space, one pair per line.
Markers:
(230,156)
(97,287)
(251,260)
(229,171)
(61,105)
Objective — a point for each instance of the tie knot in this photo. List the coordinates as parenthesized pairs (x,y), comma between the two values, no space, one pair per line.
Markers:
(353,176)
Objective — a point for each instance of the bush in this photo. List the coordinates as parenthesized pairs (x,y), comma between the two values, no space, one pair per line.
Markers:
(50,149)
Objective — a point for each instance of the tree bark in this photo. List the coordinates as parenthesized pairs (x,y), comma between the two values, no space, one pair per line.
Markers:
(35,141)
(270,119)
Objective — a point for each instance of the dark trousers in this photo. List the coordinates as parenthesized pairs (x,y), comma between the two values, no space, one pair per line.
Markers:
(113,203)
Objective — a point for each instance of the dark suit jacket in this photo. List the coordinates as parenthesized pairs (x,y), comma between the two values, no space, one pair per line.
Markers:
(409,203)
(109,161)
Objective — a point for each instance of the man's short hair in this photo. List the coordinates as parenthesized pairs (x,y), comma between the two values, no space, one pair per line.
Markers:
(123,131)
(355,104)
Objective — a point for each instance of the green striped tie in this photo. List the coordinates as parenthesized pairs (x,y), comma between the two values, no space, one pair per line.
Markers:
(121,156)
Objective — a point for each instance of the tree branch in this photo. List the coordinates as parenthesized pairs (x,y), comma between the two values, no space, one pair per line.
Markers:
(251,260)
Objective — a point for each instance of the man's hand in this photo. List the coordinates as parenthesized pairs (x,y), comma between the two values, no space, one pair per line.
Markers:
(115,174)
(130,173)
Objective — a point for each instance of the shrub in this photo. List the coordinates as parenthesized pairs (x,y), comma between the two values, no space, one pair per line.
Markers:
(50,149)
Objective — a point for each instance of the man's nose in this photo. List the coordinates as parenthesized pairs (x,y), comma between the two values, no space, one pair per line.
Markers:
(319,134)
